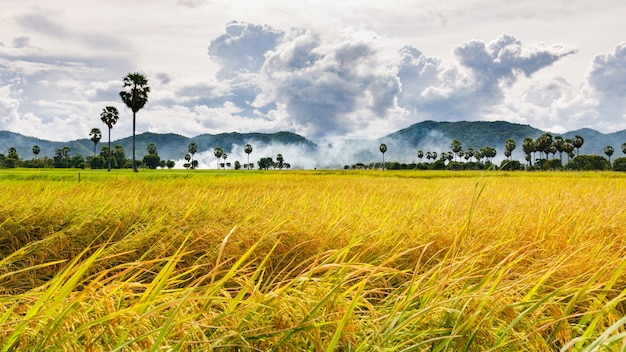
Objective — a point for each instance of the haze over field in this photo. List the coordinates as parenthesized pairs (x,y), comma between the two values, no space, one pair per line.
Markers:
(326,70)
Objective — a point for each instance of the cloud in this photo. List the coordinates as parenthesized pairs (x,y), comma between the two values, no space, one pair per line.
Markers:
(191,3)
(39,20)
(471,89)
(329,86)
(242,48)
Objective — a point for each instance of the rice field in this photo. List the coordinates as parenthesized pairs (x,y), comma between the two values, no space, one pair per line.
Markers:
(312,260)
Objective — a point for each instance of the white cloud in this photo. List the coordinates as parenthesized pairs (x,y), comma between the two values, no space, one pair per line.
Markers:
(349,69)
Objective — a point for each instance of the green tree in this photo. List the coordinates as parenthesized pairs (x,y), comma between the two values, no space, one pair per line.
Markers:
(135,96)
(624,148)
(109,116)
(188,161)
(218,154)
(489,153)
(237,165)
(152,148)
(509,147)
(420,155)
(619,164)
(193,149)
(265,163)
(589,163)
(280,161)
(383,149)
(152,161)
(170,164)
(543,144)
(120,156)
(96,136)
(248,149)
(456,147)
(578,142)
(62,157)
(559,144)
(36,150)
(608,150)
(224,156)
(12,158)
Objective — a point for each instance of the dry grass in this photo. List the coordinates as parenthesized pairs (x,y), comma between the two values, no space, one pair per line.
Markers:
(420,261)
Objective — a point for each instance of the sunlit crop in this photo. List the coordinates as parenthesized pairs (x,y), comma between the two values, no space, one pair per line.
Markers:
(354,260)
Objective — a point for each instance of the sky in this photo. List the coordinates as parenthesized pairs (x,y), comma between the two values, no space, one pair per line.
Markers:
(327,70)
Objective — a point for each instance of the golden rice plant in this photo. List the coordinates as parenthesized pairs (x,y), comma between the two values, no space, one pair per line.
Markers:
(306,260)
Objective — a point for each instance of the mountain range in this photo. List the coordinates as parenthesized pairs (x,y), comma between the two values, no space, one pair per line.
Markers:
(426,135)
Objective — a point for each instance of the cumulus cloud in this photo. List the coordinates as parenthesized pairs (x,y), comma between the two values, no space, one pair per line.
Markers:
(471,89)
(330,86)
(242,48)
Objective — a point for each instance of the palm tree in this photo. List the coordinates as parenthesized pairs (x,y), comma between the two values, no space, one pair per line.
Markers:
(608,150)
(37,150)
(218,154)
(248,149)
(383,149)
(456,147)
(193,149)
(559,144)
(624,148)
(509,147)
(470,152)
(420,155)
(187,158)
(135,96)
(578,142)
(224,156)
(109,116)
(96,136)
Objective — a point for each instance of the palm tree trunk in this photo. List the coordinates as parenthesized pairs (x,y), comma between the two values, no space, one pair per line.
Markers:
(134,162)
(109,153)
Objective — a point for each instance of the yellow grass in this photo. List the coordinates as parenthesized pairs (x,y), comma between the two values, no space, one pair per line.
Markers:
(350,260)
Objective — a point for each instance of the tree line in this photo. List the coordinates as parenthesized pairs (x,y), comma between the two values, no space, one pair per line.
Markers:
(546,145)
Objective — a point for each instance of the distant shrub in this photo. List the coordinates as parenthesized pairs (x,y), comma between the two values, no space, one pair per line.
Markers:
(510,165)
(588,163)
(619,164)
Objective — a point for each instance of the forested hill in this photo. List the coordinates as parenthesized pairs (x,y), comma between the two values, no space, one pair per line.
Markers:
(479,134)
(426,135)
(169,146)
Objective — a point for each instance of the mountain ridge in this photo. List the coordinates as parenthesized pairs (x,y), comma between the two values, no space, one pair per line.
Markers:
(436,135)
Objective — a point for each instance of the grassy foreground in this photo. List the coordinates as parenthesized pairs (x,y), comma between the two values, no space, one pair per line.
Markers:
(360,261)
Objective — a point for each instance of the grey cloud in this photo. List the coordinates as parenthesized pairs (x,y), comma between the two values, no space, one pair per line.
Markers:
(21,42)
(607,74)
(324,84)
(39,21)
(470,90)
(242,49)
(191,3)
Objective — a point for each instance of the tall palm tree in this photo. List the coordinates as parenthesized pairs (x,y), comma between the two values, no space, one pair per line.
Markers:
(109,116)
(218,154)
(96,136)
(608,150)
(456,147)
(624,148)
(383,149)
(224,156)
(135,96)
(248,149)
(509,147)
(37,150)
(578,142)
(193,149)
(420,155)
